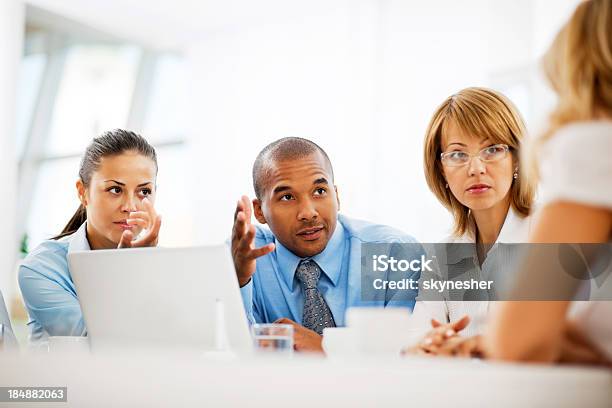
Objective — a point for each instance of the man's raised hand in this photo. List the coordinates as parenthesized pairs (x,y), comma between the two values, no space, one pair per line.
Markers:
(244,252)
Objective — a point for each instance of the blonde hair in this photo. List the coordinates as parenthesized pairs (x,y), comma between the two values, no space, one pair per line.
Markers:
(578,66)
(483,113)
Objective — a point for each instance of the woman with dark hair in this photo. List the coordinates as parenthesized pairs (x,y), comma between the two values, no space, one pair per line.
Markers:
(116,188)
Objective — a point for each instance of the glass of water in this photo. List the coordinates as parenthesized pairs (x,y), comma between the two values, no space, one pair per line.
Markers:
(272,337)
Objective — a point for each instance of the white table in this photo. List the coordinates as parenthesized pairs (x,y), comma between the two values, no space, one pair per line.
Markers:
(164,379)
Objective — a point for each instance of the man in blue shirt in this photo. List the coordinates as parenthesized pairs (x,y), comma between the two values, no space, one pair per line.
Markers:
(305,269)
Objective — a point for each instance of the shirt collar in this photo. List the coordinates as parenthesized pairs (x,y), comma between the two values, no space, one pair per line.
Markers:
(78,240)
(515,229)
(329,260)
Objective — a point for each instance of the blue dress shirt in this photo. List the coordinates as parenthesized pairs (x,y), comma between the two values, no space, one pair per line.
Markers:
(273,292)
(48,289)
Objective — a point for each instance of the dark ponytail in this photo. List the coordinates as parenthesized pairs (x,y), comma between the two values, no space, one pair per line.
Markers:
(110,143)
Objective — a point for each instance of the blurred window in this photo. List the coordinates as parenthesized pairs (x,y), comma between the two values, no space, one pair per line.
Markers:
(95,95)
(30,79)
(167,115)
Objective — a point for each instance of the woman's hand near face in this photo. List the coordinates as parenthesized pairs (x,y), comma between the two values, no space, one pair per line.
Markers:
(146,219)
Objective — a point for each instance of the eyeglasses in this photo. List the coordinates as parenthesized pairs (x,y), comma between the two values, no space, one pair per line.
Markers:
(489,154)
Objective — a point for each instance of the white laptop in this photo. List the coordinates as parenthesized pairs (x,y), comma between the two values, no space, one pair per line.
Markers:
(176,297)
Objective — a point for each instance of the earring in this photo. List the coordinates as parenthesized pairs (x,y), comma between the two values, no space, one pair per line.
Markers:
(447,184)
(515,175)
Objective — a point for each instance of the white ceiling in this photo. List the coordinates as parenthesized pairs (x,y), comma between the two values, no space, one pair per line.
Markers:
(172,23)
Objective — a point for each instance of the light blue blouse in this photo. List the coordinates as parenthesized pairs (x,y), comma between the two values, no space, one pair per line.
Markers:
(48,289)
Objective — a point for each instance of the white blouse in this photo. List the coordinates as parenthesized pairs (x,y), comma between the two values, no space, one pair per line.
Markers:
(576,166)
(515,230)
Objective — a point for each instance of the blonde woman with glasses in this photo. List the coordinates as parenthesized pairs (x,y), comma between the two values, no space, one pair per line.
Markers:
(576,183)
(472,150)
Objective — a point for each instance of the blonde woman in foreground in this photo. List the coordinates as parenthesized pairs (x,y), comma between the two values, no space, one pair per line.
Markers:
(576,184)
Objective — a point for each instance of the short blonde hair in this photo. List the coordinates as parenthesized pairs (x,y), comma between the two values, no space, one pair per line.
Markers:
(482,113)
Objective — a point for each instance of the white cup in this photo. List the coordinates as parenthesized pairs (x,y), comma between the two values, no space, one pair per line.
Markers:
(68,344)
(340,342)
(381,331)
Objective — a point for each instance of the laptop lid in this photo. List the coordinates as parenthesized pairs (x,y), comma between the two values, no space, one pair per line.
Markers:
(176,297)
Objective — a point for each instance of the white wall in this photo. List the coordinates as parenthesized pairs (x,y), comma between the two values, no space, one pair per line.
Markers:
(549,16)
(11,33)
(254,85)
(429,50)
(361,80)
